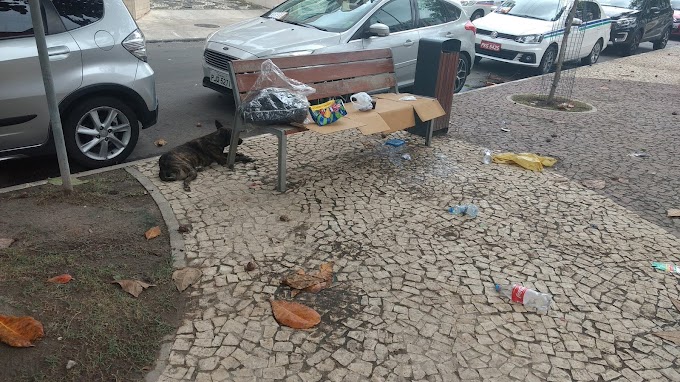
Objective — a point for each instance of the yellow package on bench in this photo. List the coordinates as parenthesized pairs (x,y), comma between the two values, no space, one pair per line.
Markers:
(527,160)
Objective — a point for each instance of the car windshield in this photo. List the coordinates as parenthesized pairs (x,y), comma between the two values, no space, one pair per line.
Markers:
(675,4)
(627,4)
(548,10)
(327,15)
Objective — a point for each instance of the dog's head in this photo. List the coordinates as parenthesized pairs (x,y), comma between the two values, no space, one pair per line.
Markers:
(224,135)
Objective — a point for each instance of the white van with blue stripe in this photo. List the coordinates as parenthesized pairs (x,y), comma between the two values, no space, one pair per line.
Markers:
(530,32)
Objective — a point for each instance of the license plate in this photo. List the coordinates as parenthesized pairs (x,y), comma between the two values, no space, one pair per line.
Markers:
(488,45)
(220,78)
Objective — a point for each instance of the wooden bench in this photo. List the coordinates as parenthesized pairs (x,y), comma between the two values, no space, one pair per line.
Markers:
(332,75)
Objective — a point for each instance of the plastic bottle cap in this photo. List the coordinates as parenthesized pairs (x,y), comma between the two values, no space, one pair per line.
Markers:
(498,287)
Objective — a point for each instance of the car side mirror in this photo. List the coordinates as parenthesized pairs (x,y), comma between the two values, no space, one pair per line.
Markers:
(378,29)
(576,22)
(655,9)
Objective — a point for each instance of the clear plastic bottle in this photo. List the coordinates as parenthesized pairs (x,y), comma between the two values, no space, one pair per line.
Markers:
(466,209)
(525,296)
(667,267)
(487,156)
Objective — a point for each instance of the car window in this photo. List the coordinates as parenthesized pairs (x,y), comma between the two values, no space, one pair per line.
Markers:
(587,11)
(15,19)
(79,13)
(327,15)
(627,4)
(675,4)
(396,14)
(434,12)
(548,10)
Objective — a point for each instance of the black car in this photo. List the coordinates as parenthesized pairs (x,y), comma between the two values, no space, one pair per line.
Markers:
(636,21)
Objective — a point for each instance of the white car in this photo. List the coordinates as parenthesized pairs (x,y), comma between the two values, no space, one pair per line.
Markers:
(529,33)
(479,8)
(303,27)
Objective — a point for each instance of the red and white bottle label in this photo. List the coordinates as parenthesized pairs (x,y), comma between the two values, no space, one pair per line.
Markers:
(518,292)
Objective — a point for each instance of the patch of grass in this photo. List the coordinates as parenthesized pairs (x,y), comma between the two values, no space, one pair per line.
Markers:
(540,101)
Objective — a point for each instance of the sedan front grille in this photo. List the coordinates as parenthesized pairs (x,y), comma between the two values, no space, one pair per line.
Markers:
(218,60)
(506,36)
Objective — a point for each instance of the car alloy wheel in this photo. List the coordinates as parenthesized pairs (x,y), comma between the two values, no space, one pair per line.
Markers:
(548,60)
(461,74)
(660,44)
(594,54)
(103,133)
(634,44)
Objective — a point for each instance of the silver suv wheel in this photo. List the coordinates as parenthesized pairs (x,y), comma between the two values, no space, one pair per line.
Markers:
(103,133)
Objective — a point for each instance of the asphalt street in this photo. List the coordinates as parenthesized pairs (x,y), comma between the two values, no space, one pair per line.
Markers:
(188,110)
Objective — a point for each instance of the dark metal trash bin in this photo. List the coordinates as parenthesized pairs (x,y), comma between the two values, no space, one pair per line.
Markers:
(436,70)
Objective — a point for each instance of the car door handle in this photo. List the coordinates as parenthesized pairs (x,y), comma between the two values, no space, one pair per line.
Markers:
(58,52)
(408,43)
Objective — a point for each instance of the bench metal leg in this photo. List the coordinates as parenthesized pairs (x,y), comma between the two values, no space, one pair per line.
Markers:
(233,145)
(283,141)
(428,134)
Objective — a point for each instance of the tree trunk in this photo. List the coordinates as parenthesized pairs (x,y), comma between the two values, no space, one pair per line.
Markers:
(560,58)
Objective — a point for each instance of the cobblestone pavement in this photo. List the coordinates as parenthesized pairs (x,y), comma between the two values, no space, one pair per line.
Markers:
(414,297)
(201,4)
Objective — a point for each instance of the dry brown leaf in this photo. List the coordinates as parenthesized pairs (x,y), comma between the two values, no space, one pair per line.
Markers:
(134,287)
(5,242)
(61,279)
(674,213)
(186,277)
(673,336)
(295,315)
(20,332)
(676,304)
(153,233)
(595,184)
(160,142)
(301,281)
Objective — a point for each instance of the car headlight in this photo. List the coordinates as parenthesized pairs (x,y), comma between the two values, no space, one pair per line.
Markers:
(530,39)
(625,22)
(467,3)
(294,53)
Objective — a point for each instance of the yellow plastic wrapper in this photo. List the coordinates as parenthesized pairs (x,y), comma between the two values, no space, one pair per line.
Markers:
(527,160)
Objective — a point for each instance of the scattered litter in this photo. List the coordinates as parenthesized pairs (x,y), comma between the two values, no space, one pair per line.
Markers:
(470,210)
(198,124)
(639,154)
(160,142)
(152,233)
(186,277)
(5,242)
(674,213)
(61,279)
(362,101)
(666,267)
(505,129)
(565,106)
(250,266)
(395,142)
(527,160)
(294,315)
(487,156)
(408,98)
(313,283)
(594,226)
(554,135)
(674,113)
(184,228)
(595,184)
(604,88)
(406,157)
(525,296)
(134,287)
(70,364)
(548,139)
(284,218)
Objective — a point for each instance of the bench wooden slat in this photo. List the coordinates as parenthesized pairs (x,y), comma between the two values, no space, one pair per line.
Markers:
(250,66)
(316,74)
(351,86)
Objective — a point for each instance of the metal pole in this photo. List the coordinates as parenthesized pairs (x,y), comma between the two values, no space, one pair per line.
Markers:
(55,118)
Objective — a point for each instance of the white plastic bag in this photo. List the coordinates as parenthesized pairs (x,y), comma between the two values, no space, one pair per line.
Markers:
(362,101)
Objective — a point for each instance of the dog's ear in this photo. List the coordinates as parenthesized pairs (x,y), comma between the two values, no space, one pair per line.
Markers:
(218,125)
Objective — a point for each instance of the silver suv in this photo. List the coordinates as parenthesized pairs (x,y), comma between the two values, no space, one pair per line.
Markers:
(105,88)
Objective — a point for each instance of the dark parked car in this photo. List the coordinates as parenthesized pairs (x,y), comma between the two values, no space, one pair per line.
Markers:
(636,21)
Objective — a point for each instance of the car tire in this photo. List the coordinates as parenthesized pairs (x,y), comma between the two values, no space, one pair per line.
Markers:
(594,54)
(548,60)
(661,43)
(632,47)
(100,132)
(461,73)
(477,14)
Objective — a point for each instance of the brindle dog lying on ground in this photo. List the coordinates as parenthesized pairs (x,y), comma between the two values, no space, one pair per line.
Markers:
(184,161)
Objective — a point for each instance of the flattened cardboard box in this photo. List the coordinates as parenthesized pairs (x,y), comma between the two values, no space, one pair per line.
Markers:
(397,115)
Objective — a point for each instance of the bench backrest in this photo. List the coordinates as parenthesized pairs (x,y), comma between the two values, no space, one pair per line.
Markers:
(331,74)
